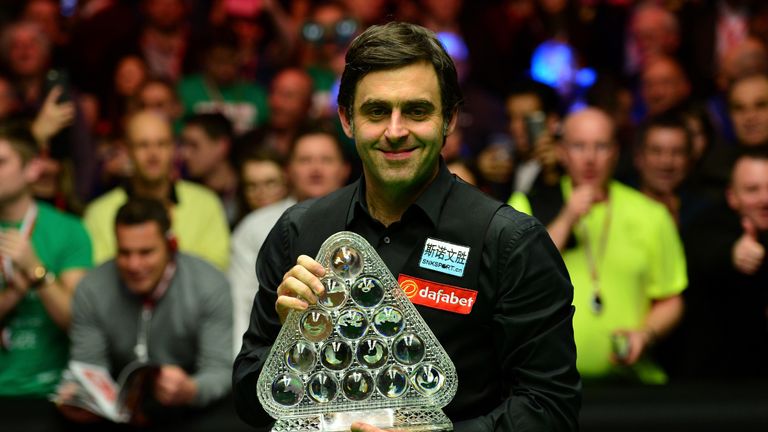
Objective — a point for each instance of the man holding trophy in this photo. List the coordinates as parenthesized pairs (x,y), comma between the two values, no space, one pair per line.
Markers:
(486,279)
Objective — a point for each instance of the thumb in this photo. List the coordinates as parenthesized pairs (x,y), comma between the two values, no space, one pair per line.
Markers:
(749,228)
(53,95)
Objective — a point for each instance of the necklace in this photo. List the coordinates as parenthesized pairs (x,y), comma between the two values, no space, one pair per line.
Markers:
(593,259)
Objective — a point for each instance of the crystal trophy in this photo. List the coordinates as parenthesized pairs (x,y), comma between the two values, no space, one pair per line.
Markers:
(362,353)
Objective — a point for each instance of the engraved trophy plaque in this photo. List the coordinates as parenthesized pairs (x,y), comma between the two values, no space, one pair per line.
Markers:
(362,353)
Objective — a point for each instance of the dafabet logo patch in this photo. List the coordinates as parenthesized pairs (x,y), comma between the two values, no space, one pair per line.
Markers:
(438,296)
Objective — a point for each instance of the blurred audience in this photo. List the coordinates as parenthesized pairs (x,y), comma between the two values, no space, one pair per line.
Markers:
(316,167)
(198,218)
(622,251)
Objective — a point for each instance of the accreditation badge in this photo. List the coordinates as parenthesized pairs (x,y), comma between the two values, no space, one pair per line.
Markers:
(444,257)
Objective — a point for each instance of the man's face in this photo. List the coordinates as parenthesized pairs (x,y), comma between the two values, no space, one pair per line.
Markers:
(397,125)
(222,65)
(588,151)
(200,152)
(748,192)
(142,254)
(14,174)
(663,85)
(749,110)
(150,146)
(663,159)
(27,55)
(289,99)
(263,183)
(518,107)
(159,98)
(316,167)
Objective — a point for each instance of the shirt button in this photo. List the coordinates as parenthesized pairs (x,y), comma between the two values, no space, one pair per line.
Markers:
(387,240)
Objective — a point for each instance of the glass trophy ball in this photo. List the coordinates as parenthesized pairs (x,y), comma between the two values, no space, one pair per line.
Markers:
(287,389)
(367,292)
(347,262)
(372,353)
(335,293)
(336,355)
(352,324)
(388,321)
(301,357)
(408,349)
(357,385)
(322,388)
(392,382)
(428,379)
(315,325)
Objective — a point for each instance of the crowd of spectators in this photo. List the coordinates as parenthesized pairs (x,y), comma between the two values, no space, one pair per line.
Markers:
(225,112)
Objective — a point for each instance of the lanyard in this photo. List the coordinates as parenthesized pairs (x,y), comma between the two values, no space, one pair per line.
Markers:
(593,260)
(27,225)
(147,309)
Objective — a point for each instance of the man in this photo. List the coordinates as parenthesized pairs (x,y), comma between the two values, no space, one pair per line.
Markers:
(183,301)
(663,160)
(513,349)
(748,106)
(621,249)
(44,253)
(316,167)
(664,85)
(724,332)
(206,141)
(197,215)
(653,31)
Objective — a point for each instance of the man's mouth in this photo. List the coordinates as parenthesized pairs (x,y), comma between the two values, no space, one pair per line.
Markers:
(398,154)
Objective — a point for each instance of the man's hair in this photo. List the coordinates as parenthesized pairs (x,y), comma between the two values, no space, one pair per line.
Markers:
(140,210)
(666,120)
(755,153)
(738,80)
(317,128)
(20,138)
(547,96)
(395,45)
(215,125)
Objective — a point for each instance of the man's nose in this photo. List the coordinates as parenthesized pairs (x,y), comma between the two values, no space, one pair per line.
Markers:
(396,129)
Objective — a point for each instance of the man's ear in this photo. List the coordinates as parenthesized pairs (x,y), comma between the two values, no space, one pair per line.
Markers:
(346,123)
(450,126)
(730,197)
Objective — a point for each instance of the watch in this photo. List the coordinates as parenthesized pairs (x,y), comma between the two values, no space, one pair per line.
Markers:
(40,277)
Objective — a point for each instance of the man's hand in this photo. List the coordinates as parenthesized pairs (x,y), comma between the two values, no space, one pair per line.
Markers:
(53,117)
(747,254)
(495,164)
(300,287)
(174,387)
(15,245)
(581,200)
(67,392)
(639,341)
(363,427)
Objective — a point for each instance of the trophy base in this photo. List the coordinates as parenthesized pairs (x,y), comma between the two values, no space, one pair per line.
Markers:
(401,419)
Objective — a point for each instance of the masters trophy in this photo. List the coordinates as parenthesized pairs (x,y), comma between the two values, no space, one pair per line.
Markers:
(362,353)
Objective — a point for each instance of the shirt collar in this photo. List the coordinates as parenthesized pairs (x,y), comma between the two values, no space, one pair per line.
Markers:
(430,202)
(128,187)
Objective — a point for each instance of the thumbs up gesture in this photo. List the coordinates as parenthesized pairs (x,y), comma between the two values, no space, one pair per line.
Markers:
(747,254)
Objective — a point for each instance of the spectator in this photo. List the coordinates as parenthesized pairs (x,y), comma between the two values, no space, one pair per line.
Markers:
(621,249)
(206,145)
(219,87)
(290,102)
(664,85)
(183,308)
(748,103)
(664,158)
(164,38)
(45,253)
(316,167)
(262,180)
(198,218)
(653,31)
(724,331)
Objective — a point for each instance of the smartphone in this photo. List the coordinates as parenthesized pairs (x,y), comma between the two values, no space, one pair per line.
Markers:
(57,77)
(535,126)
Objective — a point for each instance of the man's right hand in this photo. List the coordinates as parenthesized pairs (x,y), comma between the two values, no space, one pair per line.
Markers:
(747,254)
(582,199)
(300,286)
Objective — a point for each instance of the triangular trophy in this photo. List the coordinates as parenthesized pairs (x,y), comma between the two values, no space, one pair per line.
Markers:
(362,353)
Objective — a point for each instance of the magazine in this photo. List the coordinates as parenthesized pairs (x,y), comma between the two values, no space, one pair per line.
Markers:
(91,387)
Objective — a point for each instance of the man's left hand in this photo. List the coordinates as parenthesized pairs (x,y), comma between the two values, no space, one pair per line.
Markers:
(639,341)
(174,387)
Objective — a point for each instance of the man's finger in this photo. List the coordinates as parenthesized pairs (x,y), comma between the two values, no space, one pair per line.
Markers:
(52,95)
(310,264)
(306,276)
(749,228)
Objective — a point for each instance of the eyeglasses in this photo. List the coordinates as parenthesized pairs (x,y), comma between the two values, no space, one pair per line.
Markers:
(340,32)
